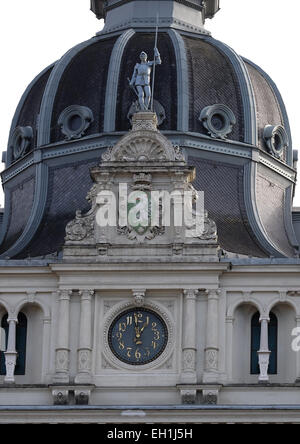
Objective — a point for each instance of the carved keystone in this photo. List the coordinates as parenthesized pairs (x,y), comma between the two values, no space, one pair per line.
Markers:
(139,297)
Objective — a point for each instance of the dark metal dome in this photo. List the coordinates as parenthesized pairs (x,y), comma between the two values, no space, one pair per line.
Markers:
(215,105)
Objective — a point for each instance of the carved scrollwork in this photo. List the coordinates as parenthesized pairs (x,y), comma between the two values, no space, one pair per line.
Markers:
(21,141)
(80,228)
(139,234)
(276,139)
(106,156)
(210,228)
(179,154)
(143,144)
(74,121)
(218,119)
(141,149)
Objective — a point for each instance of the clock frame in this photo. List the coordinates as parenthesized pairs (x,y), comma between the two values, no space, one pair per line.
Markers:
(138,336)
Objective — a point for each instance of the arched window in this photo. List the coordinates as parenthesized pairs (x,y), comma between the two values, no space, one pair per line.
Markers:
(273,344)
(21,336)
(255,344)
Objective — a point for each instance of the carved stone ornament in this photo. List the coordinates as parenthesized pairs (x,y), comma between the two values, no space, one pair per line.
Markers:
(139,297)
(218,119)
(60,397)
(143,160)
(210,228)
(80,228)
(74,121)
(62,360)
(143,144)
(211,359)
(263,359)
(276,140)
(141,234)
(158,109)
(210,397)
(82,397)
(10,364)
(142,182)
(189,360)
(188,396)
(20,142)
(84,360)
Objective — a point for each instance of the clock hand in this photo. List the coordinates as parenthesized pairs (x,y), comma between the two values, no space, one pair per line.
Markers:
(139,332)
(145,325)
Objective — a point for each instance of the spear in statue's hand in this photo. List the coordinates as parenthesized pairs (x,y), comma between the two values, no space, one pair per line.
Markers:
(154,63)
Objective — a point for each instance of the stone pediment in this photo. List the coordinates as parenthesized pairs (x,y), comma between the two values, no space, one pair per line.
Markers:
(144,143)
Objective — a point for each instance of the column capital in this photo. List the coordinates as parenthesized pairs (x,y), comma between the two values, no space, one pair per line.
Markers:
(86,294)
(264,317)
(47,320)
(64,294)
(190,293)
(214,294)
(12,319)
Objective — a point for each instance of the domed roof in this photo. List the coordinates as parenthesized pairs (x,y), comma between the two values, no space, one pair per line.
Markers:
(210,73)
(210,101)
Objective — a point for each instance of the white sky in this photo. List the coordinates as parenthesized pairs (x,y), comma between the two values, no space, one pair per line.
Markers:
(34,33)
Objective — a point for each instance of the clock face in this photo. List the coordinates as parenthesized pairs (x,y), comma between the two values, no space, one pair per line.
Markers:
(138,336)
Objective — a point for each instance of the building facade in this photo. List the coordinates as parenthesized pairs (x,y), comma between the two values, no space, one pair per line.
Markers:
(148,323)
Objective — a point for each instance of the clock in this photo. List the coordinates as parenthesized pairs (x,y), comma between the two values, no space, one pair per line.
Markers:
(138,336)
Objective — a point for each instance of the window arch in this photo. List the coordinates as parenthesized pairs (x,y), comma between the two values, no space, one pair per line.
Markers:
(255,343)
(21,339)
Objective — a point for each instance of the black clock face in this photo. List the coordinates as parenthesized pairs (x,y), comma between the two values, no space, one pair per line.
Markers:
(138,336)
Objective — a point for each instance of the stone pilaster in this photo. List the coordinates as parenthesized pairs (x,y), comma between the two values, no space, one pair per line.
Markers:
(62,348)
(84,365)
(11,352)
(212,338)
(188,374)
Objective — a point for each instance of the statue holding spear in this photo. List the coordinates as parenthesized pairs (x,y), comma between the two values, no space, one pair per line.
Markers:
(141,78)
